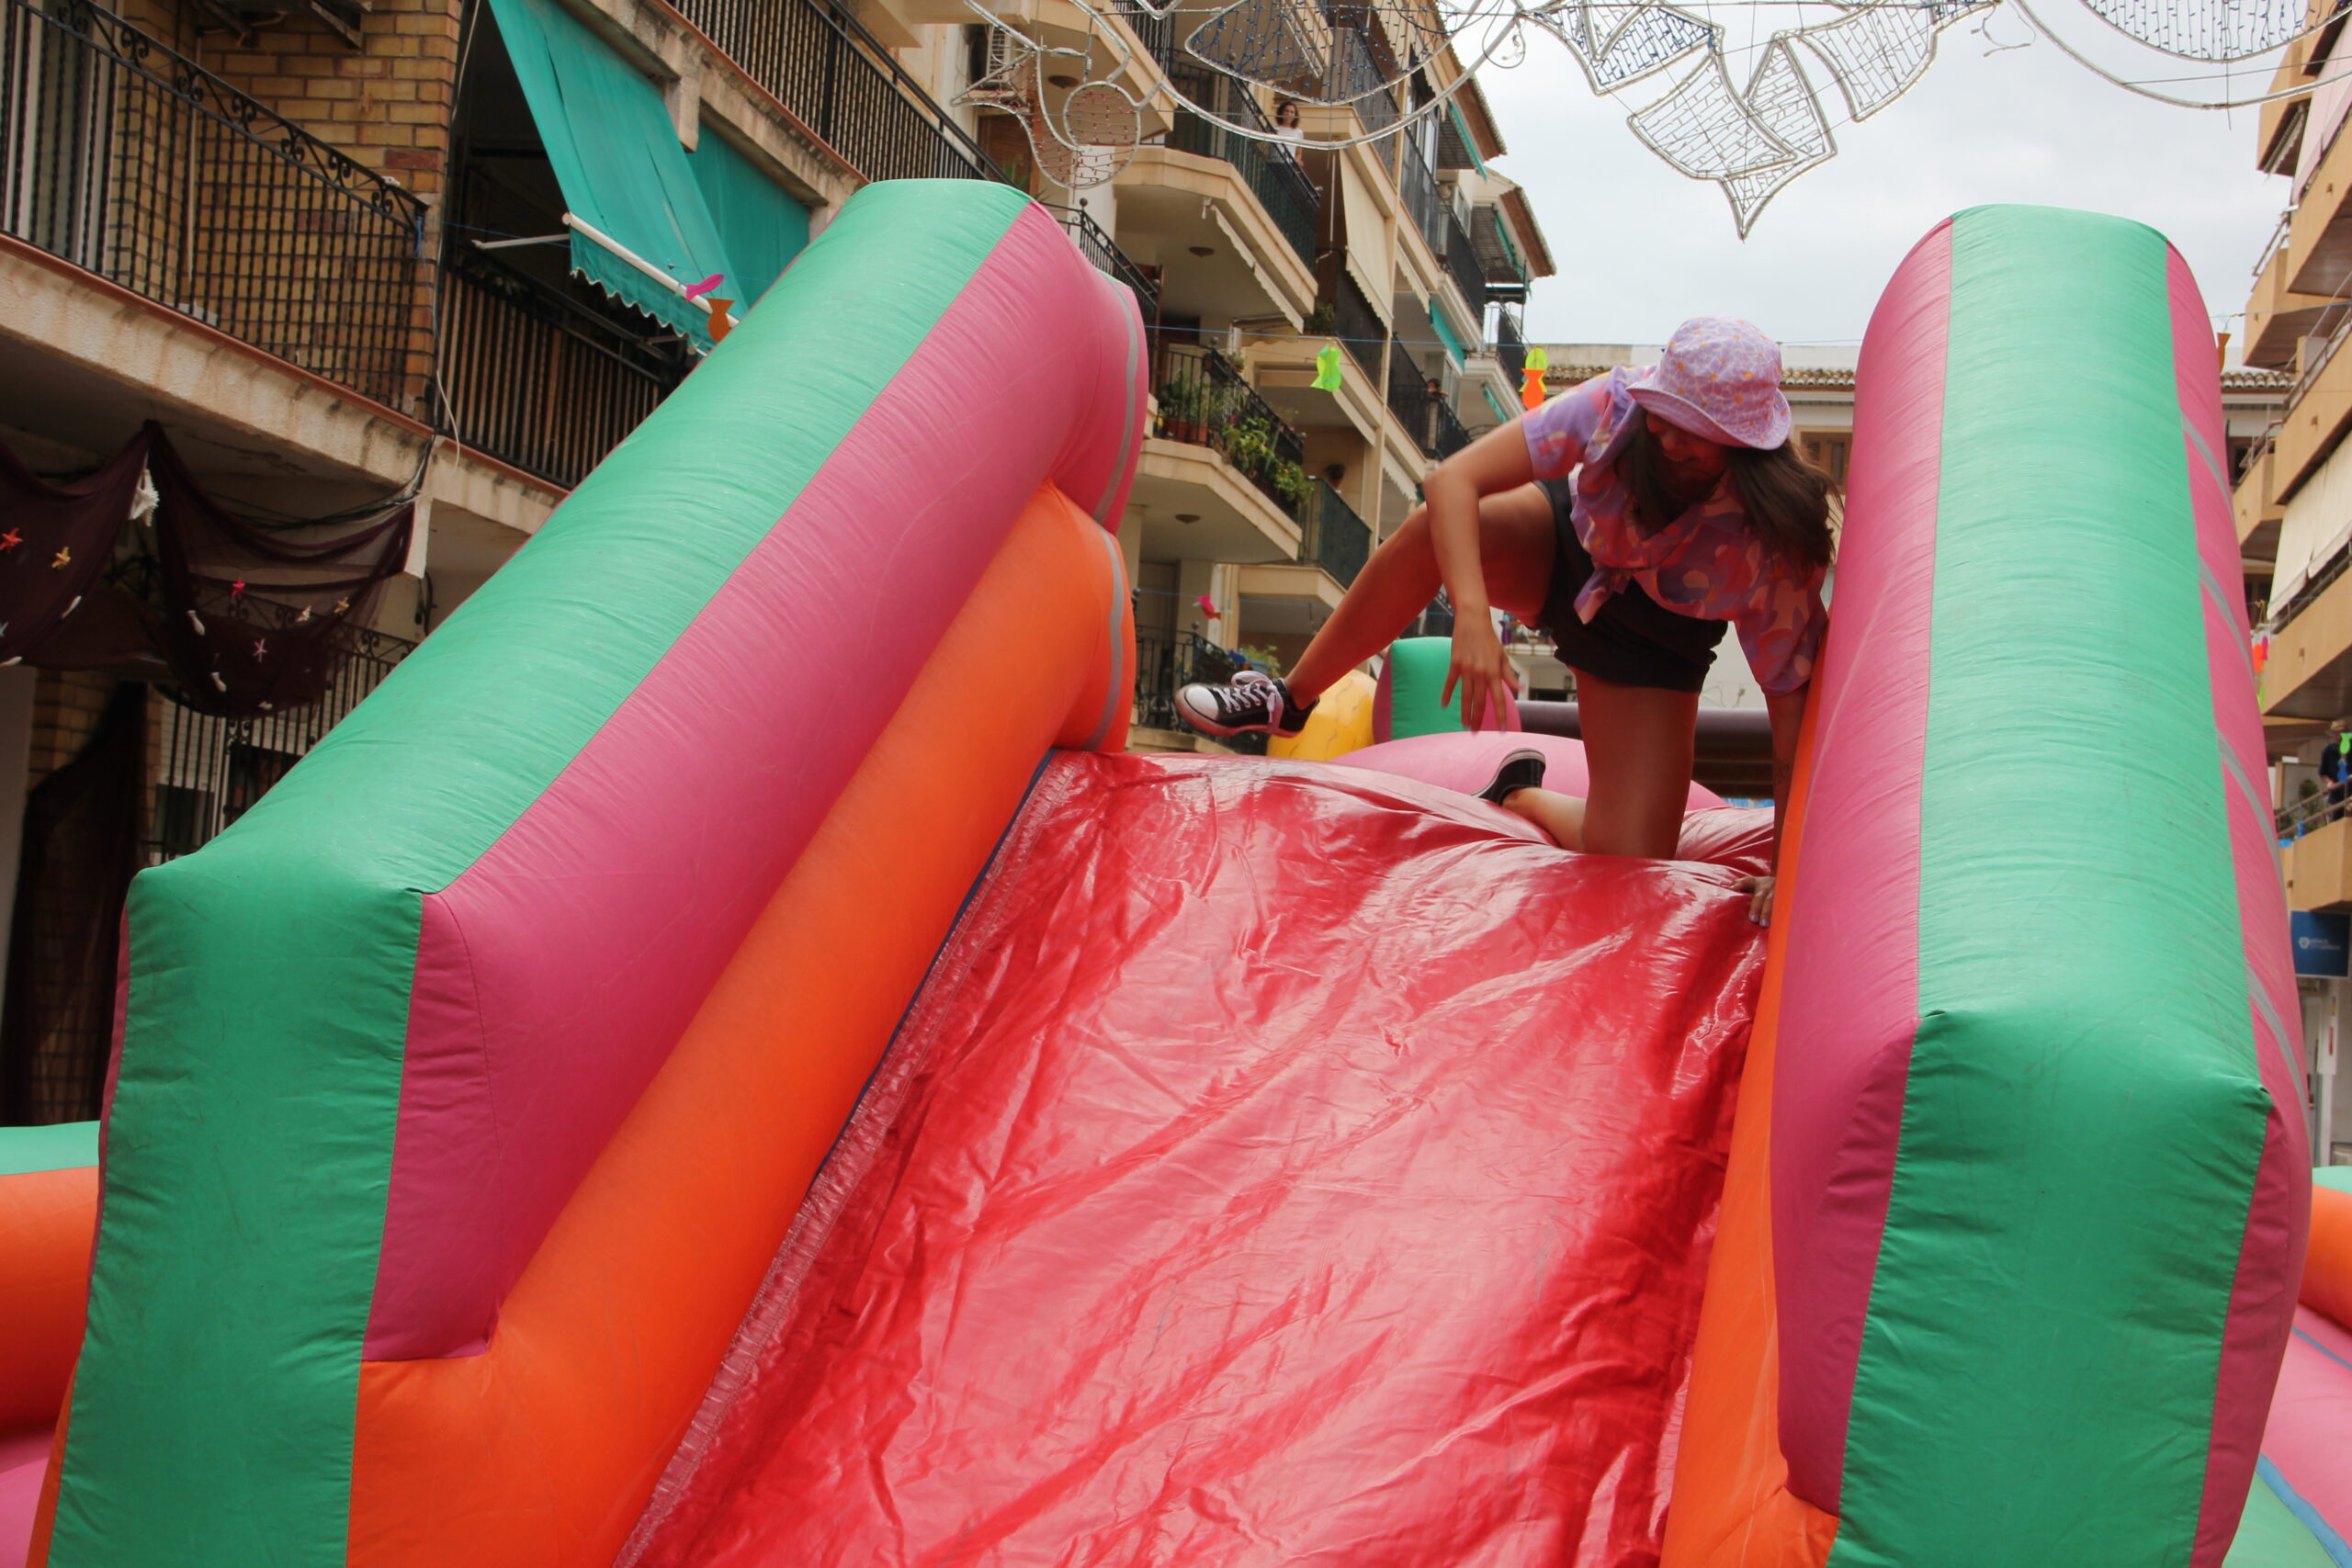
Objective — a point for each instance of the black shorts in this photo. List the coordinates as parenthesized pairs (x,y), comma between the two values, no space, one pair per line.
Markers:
(1633,639)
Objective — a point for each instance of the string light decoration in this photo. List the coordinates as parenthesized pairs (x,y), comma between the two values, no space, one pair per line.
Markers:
(1753,137)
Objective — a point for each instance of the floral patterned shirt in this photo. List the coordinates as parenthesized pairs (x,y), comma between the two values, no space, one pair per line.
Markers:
(1705,564)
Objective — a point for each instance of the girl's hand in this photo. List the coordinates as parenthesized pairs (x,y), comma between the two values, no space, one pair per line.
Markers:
(1760,897)
(1479,670)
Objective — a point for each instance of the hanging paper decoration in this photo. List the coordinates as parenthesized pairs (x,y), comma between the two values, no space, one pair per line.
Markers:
(1207,608)
(1327,367)
(1531,390)
(696,291)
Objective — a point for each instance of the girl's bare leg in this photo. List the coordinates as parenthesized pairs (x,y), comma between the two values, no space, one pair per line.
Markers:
(1560,816)
(1516,536)
(1637,748)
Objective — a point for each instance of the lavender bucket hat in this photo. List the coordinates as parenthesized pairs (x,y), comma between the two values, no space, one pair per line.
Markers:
(1720,379)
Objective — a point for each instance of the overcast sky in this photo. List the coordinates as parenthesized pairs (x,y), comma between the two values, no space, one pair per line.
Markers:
(1640,247)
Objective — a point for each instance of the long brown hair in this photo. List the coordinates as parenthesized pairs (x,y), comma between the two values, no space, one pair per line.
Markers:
(1784,497)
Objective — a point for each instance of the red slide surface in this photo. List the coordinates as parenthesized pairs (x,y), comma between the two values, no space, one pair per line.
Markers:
(1282,1164)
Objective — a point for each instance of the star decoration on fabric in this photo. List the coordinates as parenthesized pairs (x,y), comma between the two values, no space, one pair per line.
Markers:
(343,606)
(10,540)
(237,589)
(261,646)
(65,558)
(304,616)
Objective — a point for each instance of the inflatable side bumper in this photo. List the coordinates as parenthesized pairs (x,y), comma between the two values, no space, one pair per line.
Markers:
(348,1279)
(1995,980)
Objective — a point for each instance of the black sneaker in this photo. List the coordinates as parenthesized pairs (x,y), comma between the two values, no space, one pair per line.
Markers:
(1521,769)
(1251,702)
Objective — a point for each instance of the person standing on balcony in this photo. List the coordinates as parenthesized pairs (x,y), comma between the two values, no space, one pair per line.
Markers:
(1286,124)
(1631,517)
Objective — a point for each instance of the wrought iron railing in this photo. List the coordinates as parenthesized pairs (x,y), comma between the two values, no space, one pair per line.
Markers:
(1361,328)
(1332,535)
(123,157)
(1410,398)
(1418,183)
(1156,33)
(212,770)
(540,380)
(1166,660)
(840,82)
(1204,400)
(1447,436)
(1510,346)
(1269,169)
(1423,410)
(1362,66)
(1104,252)
(1462,262)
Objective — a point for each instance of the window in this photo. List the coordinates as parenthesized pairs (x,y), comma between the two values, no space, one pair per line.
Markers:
(1828,450)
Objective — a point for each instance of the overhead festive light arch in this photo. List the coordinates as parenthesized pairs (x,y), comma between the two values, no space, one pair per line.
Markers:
(1752,137)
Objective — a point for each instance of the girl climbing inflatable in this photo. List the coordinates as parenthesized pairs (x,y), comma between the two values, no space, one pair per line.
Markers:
(1630,517)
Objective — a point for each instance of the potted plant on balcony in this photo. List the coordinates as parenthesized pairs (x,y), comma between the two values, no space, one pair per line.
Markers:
(1250,445)
(1290,483)
(1184,412)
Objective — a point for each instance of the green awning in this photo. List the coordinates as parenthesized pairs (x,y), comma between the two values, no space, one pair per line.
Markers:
(1462,129)
(637,214)
(1446,334)
(1496,404)
(763,228)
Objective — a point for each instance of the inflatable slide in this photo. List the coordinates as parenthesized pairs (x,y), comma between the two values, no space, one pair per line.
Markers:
(723,1060)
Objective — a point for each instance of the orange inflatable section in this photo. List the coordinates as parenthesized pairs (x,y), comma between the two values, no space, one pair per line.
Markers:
(541,1450)
(47,1218)
(1731,1507)
(2327,1267)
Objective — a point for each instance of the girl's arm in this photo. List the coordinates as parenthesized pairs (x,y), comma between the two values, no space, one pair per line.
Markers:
(1496,462)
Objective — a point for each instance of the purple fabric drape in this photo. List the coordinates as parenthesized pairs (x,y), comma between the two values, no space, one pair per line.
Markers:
(240,619)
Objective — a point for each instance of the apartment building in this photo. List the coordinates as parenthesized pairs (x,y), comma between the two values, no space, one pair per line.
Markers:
(362,286)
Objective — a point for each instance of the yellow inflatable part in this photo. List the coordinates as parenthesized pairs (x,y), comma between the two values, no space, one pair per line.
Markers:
(1342,723)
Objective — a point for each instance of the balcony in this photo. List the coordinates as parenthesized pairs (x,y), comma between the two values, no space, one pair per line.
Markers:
(840,82)
(2276,319)
(2257,516)
(1332,535)
(1417,181)
(127,159)
(2318,413)
(1360,330)
(1426,417)
(539,379)
(1506,270)
(1361,63)
(2309,673)
(1510,347)
(1269,170)
(1204,401)
(2318,867)
(1221,477)
(1462,263)
(2320,236)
